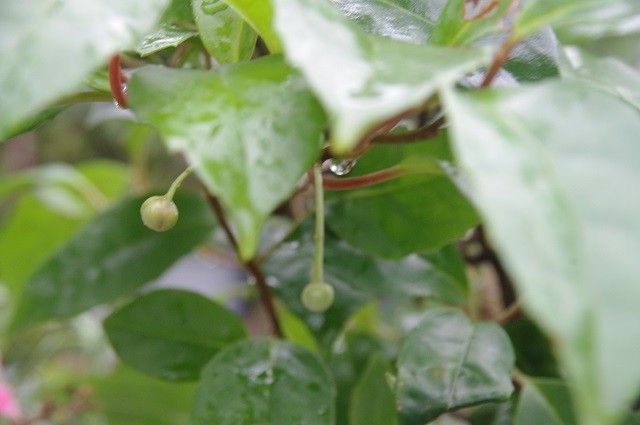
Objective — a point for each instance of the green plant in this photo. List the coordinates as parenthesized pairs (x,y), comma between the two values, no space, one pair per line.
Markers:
(472,167)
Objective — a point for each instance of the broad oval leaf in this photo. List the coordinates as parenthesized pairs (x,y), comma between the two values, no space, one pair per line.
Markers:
(363,79)
(110,256)
(552,192)
(414,213)
(448,362)
(264,382)
(225,35)
(240,129)
(172,334)
(49,47)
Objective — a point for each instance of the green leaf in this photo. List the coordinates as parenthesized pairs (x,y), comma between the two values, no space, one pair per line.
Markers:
(172,334)
(414,213)
(240,130)
(29,235)
(347,359)
(295,330)
(264,382)
(455,26)
(534,353)
(372,401)
(166,35)
(360,78)
(448,362)
(579,19)
(259,14)
(112,255)
(225,35)
(49,47)
(389,18)
(544,401)
(550,191)
(535,58)
(127,397)
(111,178)
(357,278)
(610,74)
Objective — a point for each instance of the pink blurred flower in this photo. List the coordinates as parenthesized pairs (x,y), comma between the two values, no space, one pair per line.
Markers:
(9,407)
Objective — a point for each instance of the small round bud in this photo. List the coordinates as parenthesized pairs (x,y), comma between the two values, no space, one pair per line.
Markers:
(159,213)
(317,296)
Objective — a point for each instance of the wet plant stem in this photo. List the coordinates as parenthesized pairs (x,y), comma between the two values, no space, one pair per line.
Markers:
(318,238)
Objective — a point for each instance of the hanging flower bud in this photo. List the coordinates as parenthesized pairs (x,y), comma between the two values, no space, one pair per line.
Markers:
(317,296)
(159,213)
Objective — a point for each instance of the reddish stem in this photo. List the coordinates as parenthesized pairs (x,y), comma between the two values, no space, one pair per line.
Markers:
(116,81)
(350,183)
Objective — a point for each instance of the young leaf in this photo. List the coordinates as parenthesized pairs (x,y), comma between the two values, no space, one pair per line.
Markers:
(165,36)
(295,330)
(225,35)
(455,28)
(448,362)
(112,255)
(49,47)
(372,402)
(240,129)
(360,78)
(610,74)
(552,194)
(259,14)
(172,334)
(414,213)
(264,382)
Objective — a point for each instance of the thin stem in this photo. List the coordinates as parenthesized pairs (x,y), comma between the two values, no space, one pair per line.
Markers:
(350,183)
(85,96)
(116,83)
(251,265)
(508,314)
(177,182)
(498,62)
(318,239)
(488,8)
(419,135)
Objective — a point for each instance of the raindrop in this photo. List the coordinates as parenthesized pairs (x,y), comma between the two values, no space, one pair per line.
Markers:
(342,167)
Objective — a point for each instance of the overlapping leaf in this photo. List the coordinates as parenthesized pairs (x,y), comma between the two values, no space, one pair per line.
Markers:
(49,47)
(552,192)
(363,79)
(240,129)
(448,362)
(112,255)
(172,334)
(264,382)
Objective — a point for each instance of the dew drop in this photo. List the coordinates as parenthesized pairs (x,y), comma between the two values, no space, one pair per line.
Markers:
(342,167)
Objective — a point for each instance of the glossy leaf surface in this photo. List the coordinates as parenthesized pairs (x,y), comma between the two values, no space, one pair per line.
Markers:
(264,382)
(172,334)
(360,78)
(551,192)
(240,129)
(448,362)
(49,47)
(112,255)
